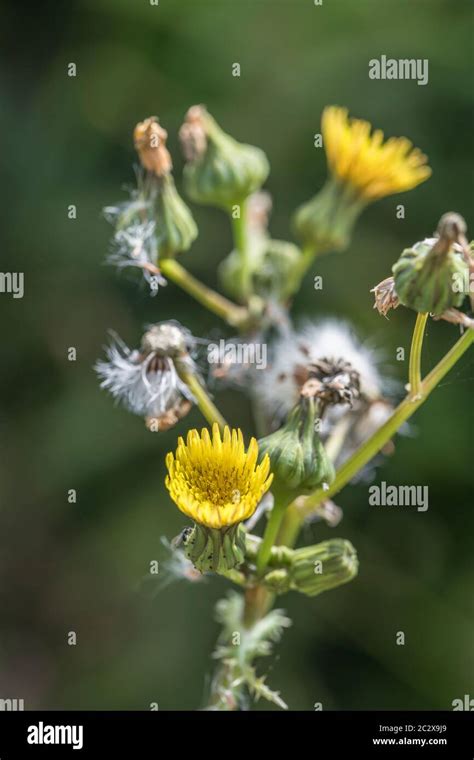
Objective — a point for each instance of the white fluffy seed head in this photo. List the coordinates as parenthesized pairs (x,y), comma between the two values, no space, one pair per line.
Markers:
(146,384)
(278,387)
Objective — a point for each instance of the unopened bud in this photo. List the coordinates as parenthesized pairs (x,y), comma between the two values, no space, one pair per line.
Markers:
(272,263)
(318,568)
(298,458)
(220,171)
(425,275)
(176,229)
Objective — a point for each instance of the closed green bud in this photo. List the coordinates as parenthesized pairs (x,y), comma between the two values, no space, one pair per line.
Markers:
(318,568)
(426,276)
(278,262)
(326,221)
(176,229)
(267,267)
(219,171)
(272,263)
(216,550)
(298,458)
(310,570)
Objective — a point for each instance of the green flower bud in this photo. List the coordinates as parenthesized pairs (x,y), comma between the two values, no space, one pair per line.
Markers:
(220,171)
(268,265)
(326,221)
(272,263)
(298,458)
(216,550)
(176,229)
(322,567)
(310,570)
(425,276)
(272,278)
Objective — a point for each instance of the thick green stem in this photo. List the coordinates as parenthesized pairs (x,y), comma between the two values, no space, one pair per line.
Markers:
(209,411)
(414,370)
(235,315)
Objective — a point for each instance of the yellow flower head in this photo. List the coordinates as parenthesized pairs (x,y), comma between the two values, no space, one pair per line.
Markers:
(373,168)
(215,481)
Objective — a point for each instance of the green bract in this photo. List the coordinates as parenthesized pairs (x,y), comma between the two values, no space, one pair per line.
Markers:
(272,263)
(298,458)
(324,566)
(426,277)
(314,569)
(176,229)
(325,222)
(224,172)
(216,550)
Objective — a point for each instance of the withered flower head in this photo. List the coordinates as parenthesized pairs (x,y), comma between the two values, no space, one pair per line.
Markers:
(296,351)
(150,143)
(192,134)
(332,381)
(219,171)
(385,296)
(452,228)
(425,273)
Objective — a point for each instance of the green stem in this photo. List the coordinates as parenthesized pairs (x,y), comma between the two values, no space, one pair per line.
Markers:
(403,412)
(308,255)
(304,263)
(232,313)
(239,232)
(269,536)
(207,407)
(414,370)
(258,601)
(290,526)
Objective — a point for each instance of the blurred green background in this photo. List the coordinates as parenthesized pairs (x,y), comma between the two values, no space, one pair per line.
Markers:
(76,567)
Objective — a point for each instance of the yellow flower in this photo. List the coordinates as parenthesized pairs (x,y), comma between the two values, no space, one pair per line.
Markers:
(215,481)
(361,159)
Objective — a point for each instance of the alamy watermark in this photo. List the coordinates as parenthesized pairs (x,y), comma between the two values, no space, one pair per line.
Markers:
(466,703)
(12,705)
(13,283)
(399,68)
(238,353)
(399,496)
(42,733)
(463,283)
